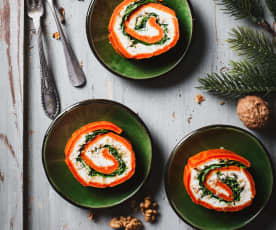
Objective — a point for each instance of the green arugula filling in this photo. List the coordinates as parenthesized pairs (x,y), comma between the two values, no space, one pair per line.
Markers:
(232,182)
(142,24)
(122,166)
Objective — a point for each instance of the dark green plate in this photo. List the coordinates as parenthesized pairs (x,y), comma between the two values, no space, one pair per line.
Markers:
(211,137)
(97,21)
(73,118)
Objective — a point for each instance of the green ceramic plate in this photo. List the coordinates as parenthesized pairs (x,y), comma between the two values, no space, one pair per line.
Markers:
(73,118)
(97,21)
(210,137)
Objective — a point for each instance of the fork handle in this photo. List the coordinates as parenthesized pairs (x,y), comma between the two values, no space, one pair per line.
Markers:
(49,94)
(75,72)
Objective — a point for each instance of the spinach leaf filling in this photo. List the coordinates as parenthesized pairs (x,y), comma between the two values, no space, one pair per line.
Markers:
(143,21)
(232,182)
(122,166)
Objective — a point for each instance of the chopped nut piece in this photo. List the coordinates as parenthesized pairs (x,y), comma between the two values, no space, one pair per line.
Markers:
(222,103)
(129,223)
(199,98)
(134,224)
(173,115)
(62,15)
(81,64)
(189,119)
(91,215)
(56,35)
(116,223)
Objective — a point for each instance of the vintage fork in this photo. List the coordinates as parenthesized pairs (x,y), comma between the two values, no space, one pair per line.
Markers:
(49,94)
(76,75)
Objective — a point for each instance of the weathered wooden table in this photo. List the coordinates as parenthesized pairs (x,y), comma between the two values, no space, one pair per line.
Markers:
(166,105)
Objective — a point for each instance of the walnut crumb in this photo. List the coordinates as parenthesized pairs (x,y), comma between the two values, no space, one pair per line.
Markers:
(91,215)
(56,35)
(173,115)
(189,119)
(199,98)
(81,64)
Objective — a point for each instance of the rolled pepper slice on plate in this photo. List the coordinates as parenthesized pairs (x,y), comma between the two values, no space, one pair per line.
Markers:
(143,28)
(219,179)
(98,157)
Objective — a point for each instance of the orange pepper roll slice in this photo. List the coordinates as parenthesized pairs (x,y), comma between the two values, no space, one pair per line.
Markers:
(139,29)
(100,158)
(218,179)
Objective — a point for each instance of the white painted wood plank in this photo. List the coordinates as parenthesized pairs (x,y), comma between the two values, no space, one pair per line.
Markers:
(164,104)
(11,114)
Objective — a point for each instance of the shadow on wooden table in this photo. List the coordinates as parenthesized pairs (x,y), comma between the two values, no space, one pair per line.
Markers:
(194,57)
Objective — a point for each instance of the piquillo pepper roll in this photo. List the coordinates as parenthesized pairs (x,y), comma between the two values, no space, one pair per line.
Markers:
(218,179)
(98,156)
(143,28)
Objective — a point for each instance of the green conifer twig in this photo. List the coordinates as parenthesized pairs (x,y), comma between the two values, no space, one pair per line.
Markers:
(244,77)
(249,9)
(256,46)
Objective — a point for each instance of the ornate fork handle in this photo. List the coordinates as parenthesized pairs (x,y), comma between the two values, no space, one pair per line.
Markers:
(49,94)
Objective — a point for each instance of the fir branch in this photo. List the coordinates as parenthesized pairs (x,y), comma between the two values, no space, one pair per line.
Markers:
(248,9)
(256,46)
(251,9)
(271,4)
(242,79)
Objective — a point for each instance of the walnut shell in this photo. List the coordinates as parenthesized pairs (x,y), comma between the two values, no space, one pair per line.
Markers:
(253,111)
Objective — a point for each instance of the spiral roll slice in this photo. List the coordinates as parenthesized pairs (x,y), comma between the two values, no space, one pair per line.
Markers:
(143,28)
(97,156)
(218,179)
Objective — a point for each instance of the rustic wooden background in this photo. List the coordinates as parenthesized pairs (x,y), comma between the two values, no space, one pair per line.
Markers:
(166,105)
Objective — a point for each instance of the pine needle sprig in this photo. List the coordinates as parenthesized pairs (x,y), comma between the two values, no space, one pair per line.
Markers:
(242,79)
(256,46)
(271,4)
(251,9)
(246,9)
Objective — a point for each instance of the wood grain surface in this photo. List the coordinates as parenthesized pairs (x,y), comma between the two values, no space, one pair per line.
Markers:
(166,105)
(11,114)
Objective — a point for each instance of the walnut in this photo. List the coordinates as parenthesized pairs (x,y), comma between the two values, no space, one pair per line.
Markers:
(253,111)
(148,208)
(129,223)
